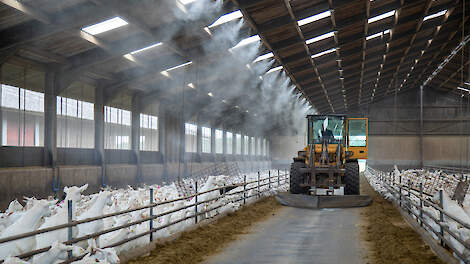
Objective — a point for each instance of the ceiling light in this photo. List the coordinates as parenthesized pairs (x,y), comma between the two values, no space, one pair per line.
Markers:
(247,41)
(380,17)
(323,53)
(264,57)
(463,89)
(129,57)
(191,85)
(210,94)
(314,18)
(274,69)
(146,48)
(185,2)
(226,18)
(104,26)
(206,29)
(438,14)
(378,34)
(321,37)
(178,66)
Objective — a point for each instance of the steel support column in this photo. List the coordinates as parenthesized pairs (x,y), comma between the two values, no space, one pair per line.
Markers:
(50,120)
(181,145)
(162,140)
(99,133)
(212,140)
(224,142)
(421,145)
(199,139)
(135,135)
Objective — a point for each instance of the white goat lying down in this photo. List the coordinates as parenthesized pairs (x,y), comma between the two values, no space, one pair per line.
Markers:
(40,214)
(432,182)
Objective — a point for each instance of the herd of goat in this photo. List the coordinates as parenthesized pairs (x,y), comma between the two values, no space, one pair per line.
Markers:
(39,214)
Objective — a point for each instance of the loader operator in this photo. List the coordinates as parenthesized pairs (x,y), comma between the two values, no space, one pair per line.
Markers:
(327,134)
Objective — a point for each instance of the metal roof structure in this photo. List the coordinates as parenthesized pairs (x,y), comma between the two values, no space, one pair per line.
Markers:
(341,55)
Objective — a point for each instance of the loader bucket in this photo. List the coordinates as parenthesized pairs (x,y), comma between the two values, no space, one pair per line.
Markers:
(323,201)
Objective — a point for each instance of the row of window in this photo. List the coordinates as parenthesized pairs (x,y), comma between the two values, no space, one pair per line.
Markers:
(23,125)
(251,145)
(23,122)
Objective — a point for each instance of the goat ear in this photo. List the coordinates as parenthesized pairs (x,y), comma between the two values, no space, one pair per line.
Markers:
(66,189)
(84,187)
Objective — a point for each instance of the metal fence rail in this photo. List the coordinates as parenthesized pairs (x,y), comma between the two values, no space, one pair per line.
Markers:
(403,193)
(271,181)
(448,169)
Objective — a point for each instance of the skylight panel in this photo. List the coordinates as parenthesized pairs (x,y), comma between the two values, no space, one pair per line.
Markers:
(274,69)
(314,18)
(147,48)
(226,18)
(247,41)
(107,25)
(264,57)
(321,37)
(463,89)
(380,17)
(323,53)
(166,72)
(185,2)
(378,34)
(179,66)
(438,14)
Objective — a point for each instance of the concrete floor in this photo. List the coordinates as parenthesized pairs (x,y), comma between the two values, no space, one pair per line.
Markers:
(299,236)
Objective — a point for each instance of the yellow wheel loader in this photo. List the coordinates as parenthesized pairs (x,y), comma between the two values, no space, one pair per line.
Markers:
(327,169)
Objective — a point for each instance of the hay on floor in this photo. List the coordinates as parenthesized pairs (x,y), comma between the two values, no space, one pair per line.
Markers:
(195,245)
(389,238)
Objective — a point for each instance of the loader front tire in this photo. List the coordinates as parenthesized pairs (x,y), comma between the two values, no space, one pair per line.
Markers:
(296,178)
(351,178)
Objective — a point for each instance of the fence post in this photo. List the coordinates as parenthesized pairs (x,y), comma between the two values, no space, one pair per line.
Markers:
(151,214)
(195,204)
(269,183)
(409,196)
(259,195)
(421,202)
(279,181)
(287,180)
(244,189)
(441,215)
(399,187)
(69,229)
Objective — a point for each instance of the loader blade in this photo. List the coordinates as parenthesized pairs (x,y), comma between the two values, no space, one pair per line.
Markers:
(323,201)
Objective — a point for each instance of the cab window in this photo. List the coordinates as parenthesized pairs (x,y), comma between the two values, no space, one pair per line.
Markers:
(357,132)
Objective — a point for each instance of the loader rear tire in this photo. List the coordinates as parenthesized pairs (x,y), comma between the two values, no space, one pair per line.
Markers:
(351,179)
(296,178)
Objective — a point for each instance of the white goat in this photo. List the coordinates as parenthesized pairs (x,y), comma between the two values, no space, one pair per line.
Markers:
(61,217)
(95,210)
(57,252)
(27,223)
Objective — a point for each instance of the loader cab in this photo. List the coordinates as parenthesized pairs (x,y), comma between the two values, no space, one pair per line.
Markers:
(328,127)
(356,140)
